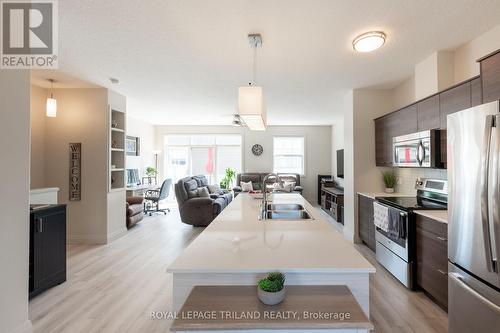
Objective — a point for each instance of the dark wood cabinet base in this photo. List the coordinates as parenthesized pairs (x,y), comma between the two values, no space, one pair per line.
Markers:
(47,255)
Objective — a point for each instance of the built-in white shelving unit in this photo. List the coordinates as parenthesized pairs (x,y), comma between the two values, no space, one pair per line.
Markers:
(117,123)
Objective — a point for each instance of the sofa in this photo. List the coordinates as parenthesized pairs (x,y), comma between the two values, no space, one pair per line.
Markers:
(257,177)
(135,208)
(199,202)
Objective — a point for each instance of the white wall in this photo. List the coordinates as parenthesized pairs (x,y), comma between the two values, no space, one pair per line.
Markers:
(337,144)
(146,132)
(14,196)
(368,104)
(318,148)
(37,120)
(349,189)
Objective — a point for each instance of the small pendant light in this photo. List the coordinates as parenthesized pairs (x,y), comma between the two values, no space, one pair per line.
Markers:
(51,102)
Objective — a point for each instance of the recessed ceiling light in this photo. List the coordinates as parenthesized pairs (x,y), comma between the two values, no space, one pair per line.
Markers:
(114,80)
(369,41)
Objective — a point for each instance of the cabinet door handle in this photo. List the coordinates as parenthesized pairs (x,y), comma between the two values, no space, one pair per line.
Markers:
(444,239)
(39,225)
(442,272)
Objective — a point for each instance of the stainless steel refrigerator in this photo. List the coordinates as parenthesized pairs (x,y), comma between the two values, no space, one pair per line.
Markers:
(474,219)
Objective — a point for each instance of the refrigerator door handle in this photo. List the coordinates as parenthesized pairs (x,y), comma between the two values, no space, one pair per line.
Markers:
(458,279)
(494,205)
(485,162)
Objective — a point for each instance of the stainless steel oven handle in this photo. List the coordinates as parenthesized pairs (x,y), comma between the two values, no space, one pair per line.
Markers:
(485,159)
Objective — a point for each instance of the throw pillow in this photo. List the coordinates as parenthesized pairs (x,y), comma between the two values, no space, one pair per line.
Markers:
(246,187)
(203,192)
(214,189)
(287,186)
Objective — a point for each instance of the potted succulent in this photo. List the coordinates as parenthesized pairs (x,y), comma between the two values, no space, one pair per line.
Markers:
(390,180)
(271,289)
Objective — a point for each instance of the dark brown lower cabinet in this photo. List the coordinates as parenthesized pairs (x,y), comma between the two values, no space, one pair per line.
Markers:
(366,226)
(432,259)
(47,264)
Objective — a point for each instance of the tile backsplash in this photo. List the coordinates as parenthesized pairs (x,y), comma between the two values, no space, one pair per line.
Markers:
(407,177)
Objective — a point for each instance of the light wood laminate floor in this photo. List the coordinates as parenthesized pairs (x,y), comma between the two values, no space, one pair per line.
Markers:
(114,288)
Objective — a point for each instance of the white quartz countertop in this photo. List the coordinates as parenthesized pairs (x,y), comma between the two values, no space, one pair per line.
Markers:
(438,215)
(373,195)
(237,241)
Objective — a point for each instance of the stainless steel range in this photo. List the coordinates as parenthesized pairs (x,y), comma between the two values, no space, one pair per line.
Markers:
(395,242)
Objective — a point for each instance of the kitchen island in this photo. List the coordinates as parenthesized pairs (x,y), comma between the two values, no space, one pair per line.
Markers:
(238,249)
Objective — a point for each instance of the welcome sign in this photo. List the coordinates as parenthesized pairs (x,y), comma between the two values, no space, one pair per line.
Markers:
(75,171)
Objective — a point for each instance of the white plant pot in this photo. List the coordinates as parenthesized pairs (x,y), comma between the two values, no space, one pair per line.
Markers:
(389,190)
(271,298)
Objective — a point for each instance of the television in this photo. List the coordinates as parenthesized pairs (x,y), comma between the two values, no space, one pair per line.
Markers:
(340,163)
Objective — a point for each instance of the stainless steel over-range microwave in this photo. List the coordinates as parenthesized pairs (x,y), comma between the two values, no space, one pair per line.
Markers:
(420,150)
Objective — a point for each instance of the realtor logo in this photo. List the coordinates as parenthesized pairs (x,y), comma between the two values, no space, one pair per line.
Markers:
(29,34)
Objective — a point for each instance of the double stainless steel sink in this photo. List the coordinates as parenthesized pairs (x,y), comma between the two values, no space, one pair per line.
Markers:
(287,212)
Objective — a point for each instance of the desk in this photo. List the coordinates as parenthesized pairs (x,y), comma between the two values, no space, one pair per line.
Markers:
(139,190)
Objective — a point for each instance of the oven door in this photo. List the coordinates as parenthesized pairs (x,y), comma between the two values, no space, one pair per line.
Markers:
(396,244)
(413,150)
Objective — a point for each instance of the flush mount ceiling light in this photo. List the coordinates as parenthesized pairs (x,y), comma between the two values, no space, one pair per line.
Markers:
(251,106)
(369,41)
(51,102)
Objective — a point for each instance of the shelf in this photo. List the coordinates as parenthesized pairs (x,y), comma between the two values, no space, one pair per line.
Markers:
(117,149)
(117,129)
(117,169)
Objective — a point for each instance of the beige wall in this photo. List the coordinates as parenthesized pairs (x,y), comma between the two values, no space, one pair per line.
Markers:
(81,118)
(37,120)
(466,55)
(426,79)
(318,148)
(14,196)
(404,93)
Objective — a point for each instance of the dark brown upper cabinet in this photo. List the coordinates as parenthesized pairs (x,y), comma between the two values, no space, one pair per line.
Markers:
(490,77)
(428,114)
(404,121)
(383,141)
(476,92)
(455,99)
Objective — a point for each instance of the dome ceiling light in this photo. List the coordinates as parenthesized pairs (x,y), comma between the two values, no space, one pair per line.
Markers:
(369,41)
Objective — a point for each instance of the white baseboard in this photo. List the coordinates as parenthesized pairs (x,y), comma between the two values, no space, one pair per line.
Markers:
(25,327)
(117,234)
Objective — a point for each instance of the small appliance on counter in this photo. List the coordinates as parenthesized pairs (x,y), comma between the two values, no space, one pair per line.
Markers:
(396,235)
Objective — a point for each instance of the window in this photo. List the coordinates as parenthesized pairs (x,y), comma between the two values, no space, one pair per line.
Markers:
(288,154)
(207,155)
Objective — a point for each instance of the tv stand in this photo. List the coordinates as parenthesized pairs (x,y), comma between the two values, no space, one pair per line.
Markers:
(332,202)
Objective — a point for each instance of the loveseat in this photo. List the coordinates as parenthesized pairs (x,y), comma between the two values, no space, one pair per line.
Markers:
(200,202)
(257,177)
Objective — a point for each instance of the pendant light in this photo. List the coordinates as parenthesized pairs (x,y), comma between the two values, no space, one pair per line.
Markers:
(251,106)
(51,102)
